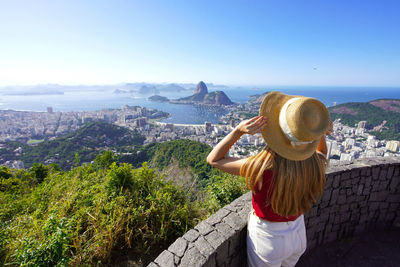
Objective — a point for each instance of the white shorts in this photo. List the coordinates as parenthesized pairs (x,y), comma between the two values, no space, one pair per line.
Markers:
(275,244)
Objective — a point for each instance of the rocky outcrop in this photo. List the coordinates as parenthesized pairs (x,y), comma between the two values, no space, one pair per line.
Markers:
(201,96)
(201,88)
(217,98)
(158,98)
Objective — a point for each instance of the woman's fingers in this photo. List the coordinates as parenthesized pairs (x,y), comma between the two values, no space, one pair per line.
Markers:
(258,126)
(252,120)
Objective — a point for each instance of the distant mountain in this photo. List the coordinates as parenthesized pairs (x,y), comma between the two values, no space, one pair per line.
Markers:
(87,142)
(258,99)
(158,98)
(375,113)
(171,87)
(201,96)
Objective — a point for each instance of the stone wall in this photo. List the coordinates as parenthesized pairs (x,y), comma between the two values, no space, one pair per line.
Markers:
(359,196)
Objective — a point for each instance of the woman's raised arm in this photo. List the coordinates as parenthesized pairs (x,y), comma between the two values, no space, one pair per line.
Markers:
(217,157)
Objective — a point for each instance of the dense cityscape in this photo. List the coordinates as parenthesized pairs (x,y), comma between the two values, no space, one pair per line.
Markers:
(344,144)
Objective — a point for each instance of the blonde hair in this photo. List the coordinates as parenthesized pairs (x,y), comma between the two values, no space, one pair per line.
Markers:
(296,184)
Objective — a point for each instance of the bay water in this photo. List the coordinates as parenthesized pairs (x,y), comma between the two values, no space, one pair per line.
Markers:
(188,114)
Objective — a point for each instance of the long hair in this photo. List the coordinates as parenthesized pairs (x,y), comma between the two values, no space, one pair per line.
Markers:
(296,184)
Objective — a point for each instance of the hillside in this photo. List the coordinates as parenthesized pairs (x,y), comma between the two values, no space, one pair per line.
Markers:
(375,113)
(186,153)
(86,142)
(102,214)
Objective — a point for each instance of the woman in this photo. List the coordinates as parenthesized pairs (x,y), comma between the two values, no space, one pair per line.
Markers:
(285,178)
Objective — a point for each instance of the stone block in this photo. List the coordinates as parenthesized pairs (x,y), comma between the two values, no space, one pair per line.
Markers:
(393,206)
(204,228)
(345,217)
(396,171)
(234,221)
(346,175)
(390,216)
(355,173)
(374,206)
(390,172)
(341,199)
(191,235)
(193,257)
(383,174)
(244,213)
(320,227)
(234,243)
(231,208)
(334,197)
(375,172)
(368,181)
(378,196)
(360,189)
(324,204)
(392,198)
(355,217)
(165,259)
(366,191)
(344,208)
(224,229)
(152,264)
(313,221)
(178,247)
(363,171)
(204,247)
(222,253)
(237,261)
(330,237)
(215,239)
(336,181)
(329,181)
(354,206)
(218,216)
(351,199)
(394,182)
(383,185)
(375,187)
(349,191)
(383,205)
(211,261)
(326,196)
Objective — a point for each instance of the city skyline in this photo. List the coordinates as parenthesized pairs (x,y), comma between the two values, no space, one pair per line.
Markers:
(226,42)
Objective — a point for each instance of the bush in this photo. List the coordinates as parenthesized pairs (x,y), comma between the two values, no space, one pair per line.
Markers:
(51,250)
(39,171)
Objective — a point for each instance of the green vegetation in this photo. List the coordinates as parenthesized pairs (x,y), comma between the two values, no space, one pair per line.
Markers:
(86,142)
(34,141)
(89,214)
(374,117)
(188,154)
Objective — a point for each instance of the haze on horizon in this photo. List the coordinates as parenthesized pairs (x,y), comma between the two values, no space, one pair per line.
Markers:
(340,43)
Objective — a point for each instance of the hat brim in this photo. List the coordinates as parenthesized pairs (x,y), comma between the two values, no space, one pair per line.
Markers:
(273,134)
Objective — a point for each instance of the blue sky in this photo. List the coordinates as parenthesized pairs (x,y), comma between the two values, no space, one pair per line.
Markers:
(304,42)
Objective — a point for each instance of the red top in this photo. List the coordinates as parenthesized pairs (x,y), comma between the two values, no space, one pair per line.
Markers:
(261,207)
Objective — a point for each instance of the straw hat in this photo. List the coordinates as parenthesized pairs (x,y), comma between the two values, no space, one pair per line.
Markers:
(295,124)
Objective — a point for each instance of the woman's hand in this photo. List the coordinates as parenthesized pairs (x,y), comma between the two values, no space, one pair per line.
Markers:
(252,126)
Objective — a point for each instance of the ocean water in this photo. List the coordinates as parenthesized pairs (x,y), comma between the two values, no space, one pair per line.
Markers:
(188,114)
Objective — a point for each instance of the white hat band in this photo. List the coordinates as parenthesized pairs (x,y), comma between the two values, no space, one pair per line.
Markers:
(285,127)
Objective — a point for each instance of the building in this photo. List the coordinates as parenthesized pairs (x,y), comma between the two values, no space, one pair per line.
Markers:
(208,126)
(49,110)
(393,145)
